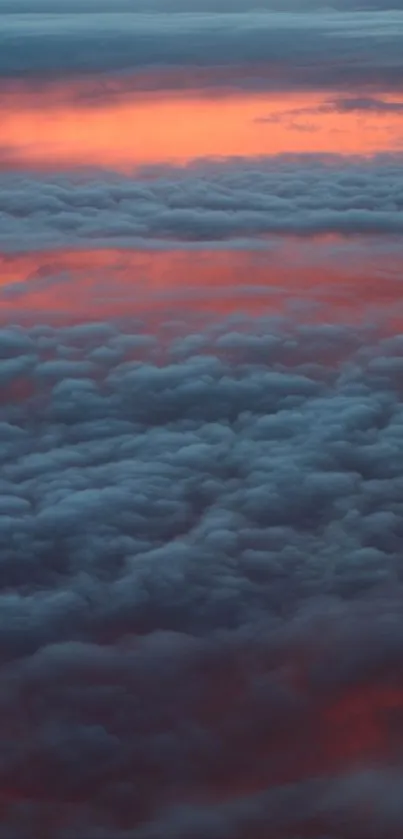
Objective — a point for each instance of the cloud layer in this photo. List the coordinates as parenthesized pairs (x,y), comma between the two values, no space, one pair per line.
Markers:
(189,6)
(308,50)
(201,519)
(201,581)
(301,196)
(15,7)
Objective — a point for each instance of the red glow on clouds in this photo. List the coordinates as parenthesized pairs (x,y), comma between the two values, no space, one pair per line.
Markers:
(358,727)
(311,730)
(102,283)
(350,730)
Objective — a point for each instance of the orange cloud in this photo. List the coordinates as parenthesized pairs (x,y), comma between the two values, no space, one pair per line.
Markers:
(42,129)
(103,283)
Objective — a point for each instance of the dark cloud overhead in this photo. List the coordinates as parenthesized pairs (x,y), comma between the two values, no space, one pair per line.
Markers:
(200,582)
(311,49)
(86,6)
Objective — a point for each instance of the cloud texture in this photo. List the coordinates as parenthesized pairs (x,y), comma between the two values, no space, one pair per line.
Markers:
(298,195)
(201,516)
(308,50)
(201,581)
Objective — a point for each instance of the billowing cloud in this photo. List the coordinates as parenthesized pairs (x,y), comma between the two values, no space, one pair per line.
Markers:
(300,196)
(201,461)
(200,581)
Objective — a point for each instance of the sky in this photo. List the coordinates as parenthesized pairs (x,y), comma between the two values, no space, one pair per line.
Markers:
(201,421)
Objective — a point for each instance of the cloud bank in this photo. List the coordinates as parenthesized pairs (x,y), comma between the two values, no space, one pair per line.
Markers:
(189,6)
(329,49)
(201,516)
(201,581)
(300,196)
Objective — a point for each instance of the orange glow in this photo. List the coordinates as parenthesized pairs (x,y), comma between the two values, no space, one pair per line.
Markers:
(44,129)
(101,283)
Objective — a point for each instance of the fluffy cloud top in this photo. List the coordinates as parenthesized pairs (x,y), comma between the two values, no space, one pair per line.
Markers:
(201,582)
(201,574)
(301,195)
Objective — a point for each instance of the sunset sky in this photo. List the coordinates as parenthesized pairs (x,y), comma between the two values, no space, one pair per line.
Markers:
(201,422)
(182,126)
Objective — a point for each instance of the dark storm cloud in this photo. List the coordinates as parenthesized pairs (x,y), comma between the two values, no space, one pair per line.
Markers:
(299,50)
(301,195)
(200,542)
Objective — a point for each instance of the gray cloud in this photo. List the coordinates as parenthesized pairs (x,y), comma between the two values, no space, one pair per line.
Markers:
(340,105)
(301,196)
(228,6)
(366,103)
(200,581)
(328,49)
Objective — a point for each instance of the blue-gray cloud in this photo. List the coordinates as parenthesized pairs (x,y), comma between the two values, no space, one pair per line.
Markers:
(328,49)
(340,105)
(189,6)
(205,202)
(200,542)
